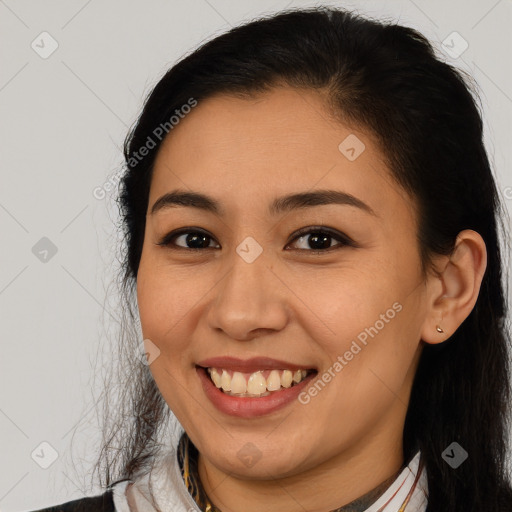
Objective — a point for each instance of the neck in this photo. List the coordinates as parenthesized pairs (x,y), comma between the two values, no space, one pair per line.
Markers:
(364,502)
(343,483)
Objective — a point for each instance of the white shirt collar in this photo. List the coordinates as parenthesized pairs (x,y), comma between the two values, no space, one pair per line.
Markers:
(408,492)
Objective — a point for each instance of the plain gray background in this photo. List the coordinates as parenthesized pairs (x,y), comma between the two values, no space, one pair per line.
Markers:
(63,120)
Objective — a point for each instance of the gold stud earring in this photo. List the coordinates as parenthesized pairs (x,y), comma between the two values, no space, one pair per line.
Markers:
(438,329)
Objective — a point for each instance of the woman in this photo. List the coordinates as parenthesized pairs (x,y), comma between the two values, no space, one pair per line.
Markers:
(312,239)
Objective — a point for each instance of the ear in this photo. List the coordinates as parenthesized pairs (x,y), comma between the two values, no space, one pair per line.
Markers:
(453,292)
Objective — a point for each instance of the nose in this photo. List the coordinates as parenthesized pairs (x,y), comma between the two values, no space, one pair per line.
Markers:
(249,301)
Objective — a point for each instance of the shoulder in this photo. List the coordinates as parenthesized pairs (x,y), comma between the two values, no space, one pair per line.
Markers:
(101,503)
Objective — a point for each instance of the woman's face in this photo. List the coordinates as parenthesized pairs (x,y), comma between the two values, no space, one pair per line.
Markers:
(350,314)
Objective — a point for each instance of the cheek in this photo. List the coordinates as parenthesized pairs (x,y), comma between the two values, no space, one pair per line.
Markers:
(365,321)
(342,305)
(163,301)
(165,305)
(170,302)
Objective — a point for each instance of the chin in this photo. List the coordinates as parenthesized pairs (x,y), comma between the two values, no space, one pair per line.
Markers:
(249,462)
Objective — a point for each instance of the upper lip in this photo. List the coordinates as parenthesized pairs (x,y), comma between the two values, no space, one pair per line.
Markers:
(250,365)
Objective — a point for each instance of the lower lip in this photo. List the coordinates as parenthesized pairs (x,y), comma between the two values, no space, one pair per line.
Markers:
(246,407)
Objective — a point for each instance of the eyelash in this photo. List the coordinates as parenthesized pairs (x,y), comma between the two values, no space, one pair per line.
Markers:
(340,237)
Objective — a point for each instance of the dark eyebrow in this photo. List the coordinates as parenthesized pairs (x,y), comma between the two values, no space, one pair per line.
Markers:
(316,198)
(279,205)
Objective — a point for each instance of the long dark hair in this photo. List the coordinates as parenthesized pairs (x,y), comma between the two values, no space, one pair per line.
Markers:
(387,80)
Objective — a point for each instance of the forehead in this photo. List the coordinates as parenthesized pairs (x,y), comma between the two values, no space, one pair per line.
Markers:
(272,144)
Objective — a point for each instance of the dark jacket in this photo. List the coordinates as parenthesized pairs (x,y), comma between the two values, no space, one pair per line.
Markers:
(101,503)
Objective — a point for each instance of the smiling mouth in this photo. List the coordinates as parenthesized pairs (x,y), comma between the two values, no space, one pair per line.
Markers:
(256,384)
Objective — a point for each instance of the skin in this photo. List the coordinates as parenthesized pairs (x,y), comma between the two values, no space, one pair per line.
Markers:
(292,304)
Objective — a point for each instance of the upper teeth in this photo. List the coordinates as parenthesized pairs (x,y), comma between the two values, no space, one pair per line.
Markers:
(255,383)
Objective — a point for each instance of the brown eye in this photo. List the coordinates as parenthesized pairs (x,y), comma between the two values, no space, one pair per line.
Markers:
(316,239)
(319,239)
(191,239)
